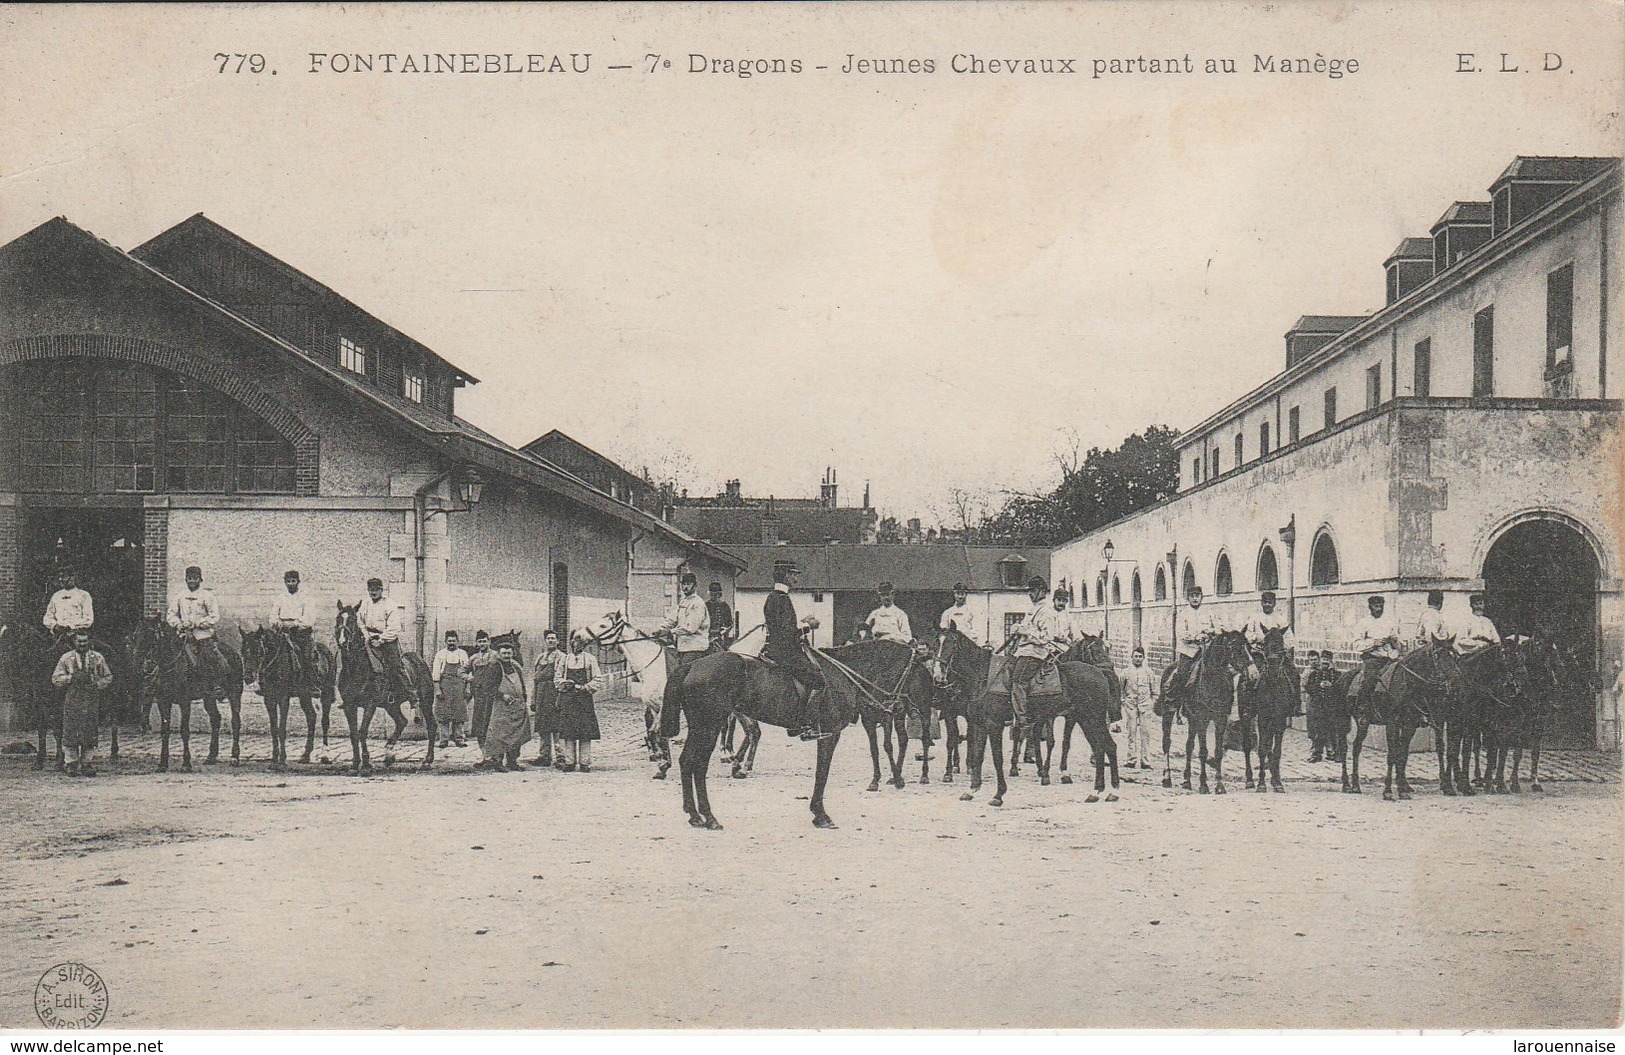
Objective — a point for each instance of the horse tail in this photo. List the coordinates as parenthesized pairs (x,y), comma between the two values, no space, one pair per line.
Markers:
(671,705)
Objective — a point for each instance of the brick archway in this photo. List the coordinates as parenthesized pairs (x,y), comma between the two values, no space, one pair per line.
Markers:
(306,444)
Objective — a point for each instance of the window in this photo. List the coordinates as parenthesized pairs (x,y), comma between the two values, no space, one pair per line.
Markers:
(1292,425)
(1331,407)
(1012,571)
(1215,471)
(1161,588)
(1323,570)
(1134,587)
(89,428)
(1196,470)
(1484,352)
(561,600)
(1560,320)
(1269,575)
(1011,621)
(1187,581)
(1100,590)
(1117,590)
(1263,439)
(1222,580)
(352,356)
(1373,386)
(412,385)
(1239,450)
(1422,382)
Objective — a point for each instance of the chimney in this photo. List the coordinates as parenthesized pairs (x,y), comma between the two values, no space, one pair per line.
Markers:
(1408,267)
(1463,228)
(1311,333)
(866,494)
(731,490)
(826,490)
(1530,184)
(770,524)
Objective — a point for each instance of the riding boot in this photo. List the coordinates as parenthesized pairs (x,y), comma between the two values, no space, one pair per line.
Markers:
(814,727)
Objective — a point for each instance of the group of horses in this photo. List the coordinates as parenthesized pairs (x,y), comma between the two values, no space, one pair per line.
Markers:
(1492,706)
(154,671)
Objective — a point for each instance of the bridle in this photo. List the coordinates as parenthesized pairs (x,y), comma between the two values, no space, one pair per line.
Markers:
(616,635)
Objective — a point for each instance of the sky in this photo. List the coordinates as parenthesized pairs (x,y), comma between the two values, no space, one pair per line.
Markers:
(928,282)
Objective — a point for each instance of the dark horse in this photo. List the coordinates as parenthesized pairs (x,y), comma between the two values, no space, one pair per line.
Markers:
(363,689)
(1267,701)
(268,655)
(168,677)
(724,683)
(1208,702)
(963,667)
(28,656)
(1418,691)
(905,688)
(1092,650)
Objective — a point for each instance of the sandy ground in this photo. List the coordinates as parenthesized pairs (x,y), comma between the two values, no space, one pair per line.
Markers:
(247,898)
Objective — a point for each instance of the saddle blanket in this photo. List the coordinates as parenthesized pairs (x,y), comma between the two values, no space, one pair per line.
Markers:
(1047,682)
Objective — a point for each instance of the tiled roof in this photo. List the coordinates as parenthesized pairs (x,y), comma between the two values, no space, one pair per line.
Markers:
(908,567)
(1411,249)
(1325,323)
(734,525)
(1465,212)
(1553,169)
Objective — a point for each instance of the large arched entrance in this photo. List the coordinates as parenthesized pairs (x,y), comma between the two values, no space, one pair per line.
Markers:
(1541,575)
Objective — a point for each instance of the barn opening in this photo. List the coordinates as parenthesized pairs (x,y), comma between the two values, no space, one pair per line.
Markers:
(1542,575)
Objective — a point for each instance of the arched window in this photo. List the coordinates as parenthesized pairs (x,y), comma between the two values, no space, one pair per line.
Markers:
(1100,589)
(1269,576)
(114,428)
(1161,588)
(1187,581)
(1134,587)
(1117,590)
(1222,583)
(1323,569)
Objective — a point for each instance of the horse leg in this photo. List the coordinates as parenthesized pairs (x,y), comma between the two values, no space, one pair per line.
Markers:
(186,736)
(995,739)
(44,720)
(1066,748)
(975,749)
(1406,735)
(431,726)
(1391,732)
(327,708)
(685,771)
(1018,735)
(874,752)
(269,696)
(1111,759)
(894,760)
(212,709)
(1534,762)
(309,708)
(826,752)
(702,766)
(1517,764)
(925,747)
(367,710)
(1167,750)
(1220,731)
(237,731)
(163,749)
(1445,738)
(1190,751)
(754,731)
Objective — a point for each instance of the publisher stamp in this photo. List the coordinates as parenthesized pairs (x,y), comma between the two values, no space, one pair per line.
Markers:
(70,996)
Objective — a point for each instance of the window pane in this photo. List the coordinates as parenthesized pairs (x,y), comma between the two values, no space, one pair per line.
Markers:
(198,423)
(265,461)
(1422,384)
(1484,352)
(1560,316)
(126,430)
(53,418)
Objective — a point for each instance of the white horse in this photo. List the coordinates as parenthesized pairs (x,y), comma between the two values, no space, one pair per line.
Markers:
(649,662)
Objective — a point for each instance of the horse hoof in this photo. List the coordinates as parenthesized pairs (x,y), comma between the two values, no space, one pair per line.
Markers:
(1066,778)
(1092,797)
(236,762)
(162,768)
(712,824)
(1388,796)
(1404,796)
(694,821)
(738,774)
(660,774)
(186,767)
(1516,788)
(874,785)
(1205,790)
(211,761)
(1467,790)
(366,770)
(39,764)
(1043,781)
(967,797)
(1187,785)
(1263,789)
(925,780)
(947,778)
(1448,790)
(304,759)
(1218,789)
(1167,782)
(1536,787)
(997,800)
(1249,785)
(1278,787)
(899,783)
(1112,797)
(823,821)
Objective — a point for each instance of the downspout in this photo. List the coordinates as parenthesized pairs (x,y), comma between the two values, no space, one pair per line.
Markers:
(420,556)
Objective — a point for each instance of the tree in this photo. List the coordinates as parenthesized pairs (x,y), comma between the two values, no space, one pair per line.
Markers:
(1096,488)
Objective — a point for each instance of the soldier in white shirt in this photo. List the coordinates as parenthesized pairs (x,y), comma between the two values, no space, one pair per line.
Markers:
(292,617)
(889,622)
(1431,628)
(960,618)
(1196,629)
(70,608)
(195,615)
(1377,643)
(1042,636)
(1258,627)
(690,623)
(1476,632)
(1139,695)
(381,620)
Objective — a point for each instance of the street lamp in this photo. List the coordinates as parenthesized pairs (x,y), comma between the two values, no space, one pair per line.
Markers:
(1105,589)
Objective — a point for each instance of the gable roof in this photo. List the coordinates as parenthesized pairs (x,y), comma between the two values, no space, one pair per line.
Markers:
(932,566)
(742,525)
(451,437)
(556,442)
(199,227)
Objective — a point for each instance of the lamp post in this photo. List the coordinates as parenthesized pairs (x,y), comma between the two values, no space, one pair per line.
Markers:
(1289,538)
(1106,589)
(467,487)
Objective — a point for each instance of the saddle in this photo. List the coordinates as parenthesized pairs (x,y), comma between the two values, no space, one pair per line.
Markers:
(1046,683)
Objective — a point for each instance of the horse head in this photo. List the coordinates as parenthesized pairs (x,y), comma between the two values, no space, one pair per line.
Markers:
(1089,648)
(607,630)
(347,628)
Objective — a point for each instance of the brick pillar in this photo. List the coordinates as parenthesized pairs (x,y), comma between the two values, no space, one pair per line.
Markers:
(155,554)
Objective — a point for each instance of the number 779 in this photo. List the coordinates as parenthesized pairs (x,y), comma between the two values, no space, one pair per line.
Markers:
(254,62)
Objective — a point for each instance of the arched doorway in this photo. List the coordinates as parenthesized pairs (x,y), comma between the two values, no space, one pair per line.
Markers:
(1541,575)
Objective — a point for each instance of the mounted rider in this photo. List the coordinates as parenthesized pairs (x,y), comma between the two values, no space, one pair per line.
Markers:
(960,617)
(381,620)
(1041,637)
(786,647)
(1377,643)
(1195,631)
(195,615)
(889,622)
(1475,637)
(292,617)
(70,608)
(690,623)
(721,617)
(1259,626)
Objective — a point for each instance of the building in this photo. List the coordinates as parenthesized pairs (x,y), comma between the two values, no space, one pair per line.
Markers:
(198,401)
(837,584)
(731,519)
(1465,437)
(613,479)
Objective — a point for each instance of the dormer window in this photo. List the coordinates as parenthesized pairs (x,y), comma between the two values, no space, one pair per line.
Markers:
(352,356)
(412,384)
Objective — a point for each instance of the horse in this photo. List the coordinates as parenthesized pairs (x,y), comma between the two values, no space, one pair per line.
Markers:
(1418,693)
(905,686)
(29,655)
(1554,675)
(167,678)
(962,666)
(1208,702)
(1092,650)
(363,689)
(1268,699)
(723,683)
(268,655)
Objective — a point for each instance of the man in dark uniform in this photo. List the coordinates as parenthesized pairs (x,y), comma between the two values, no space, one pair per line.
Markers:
(1325,740)
(786,648)
(722,619)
